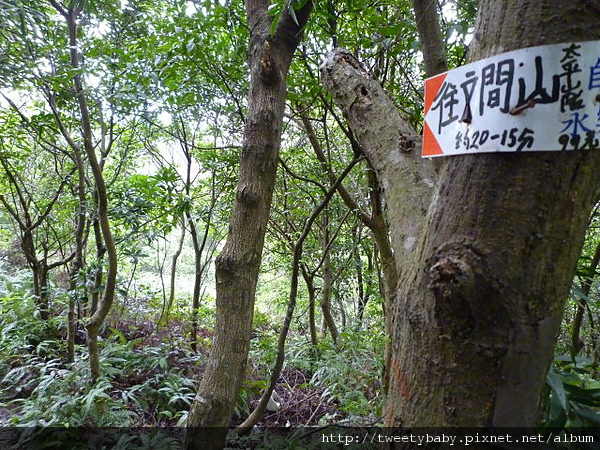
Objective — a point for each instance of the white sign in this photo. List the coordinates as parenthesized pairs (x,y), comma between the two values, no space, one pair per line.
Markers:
(532,99)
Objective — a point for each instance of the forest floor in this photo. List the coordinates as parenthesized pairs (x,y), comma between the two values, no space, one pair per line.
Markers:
(299,402)
(150,377)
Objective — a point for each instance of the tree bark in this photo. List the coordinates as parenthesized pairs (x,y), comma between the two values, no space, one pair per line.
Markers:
(75,290)
(586,286)
(430,36)
(478,312)
(198,246)
(312,295)
(238,265)
(97,319)
(363,288)
(326,290)
(163,320)
(391,146)
(402,177)
(484,278)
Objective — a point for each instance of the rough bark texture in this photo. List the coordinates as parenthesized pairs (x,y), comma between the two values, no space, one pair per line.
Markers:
(390,144)
(484,278)
(393,150)
(238,265)
(478,312)
(430,36)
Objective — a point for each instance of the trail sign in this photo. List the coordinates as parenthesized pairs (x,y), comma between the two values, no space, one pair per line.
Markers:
(532,99)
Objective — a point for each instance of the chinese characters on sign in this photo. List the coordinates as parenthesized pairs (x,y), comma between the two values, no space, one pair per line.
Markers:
(533,99)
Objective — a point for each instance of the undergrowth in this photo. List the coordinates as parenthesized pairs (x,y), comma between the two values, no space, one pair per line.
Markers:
(141,385)
(346,375)
(149,377)
(148,380)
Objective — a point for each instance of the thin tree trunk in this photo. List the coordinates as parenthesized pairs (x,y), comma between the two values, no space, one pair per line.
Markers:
(98,271)
(164,317)
(362,296)
(43,299)
(199,265)
(95,322)
(198,249)
(77,264)
(430,36)
(375,221)
(310,287)
(258,412)
(237,267)
(327,280)
(199,244)
(27,226)
(576,341)
(364,281)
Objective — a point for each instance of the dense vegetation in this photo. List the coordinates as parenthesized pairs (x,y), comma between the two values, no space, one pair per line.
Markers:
(145,117)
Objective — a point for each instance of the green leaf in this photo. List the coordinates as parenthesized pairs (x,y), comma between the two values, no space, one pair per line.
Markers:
(558,388)
(292,13)
(299,4)
(592,416)
(557,416)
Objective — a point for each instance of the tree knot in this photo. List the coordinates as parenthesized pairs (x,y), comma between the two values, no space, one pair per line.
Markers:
(268,69)
(362,104)
(448,275)
(452,281)
(248,196)
(407,143)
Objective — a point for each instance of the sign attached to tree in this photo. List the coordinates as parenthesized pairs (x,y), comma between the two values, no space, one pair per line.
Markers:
(532,99)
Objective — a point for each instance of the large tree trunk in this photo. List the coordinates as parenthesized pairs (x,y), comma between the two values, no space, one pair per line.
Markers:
(482,290)
(238,265)
(479,310)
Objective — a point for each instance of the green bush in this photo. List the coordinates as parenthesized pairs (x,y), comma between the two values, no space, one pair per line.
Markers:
(348,373)
(574,394)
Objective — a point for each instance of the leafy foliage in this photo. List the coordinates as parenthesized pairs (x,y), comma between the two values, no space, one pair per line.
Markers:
(348,373)
(574,399)
(140,386)
(166,84)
